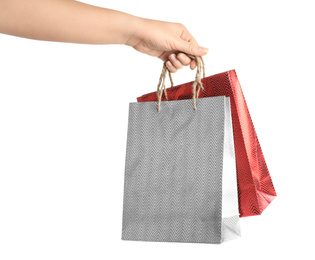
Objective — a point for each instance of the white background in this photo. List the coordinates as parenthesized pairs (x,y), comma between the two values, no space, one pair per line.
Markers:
(63,129)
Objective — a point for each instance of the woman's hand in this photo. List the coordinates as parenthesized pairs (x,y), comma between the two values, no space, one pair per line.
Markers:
(76,22)
(167,41)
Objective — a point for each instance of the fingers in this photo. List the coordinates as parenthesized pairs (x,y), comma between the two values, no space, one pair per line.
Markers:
(170,67)
(176,62)
(186,61)
(193,65)
(183,59)
(173,64)
(191,46)
(187,43)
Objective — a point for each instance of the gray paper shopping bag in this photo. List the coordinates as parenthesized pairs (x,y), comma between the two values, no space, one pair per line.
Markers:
(180,175)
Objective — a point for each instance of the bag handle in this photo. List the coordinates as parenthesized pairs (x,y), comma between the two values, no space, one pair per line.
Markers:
(161,86)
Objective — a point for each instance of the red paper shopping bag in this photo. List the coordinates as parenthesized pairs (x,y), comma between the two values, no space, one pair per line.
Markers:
(255,188)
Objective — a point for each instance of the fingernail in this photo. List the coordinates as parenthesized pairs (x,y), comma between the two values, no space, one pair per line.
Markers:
(173,57)
(203,51)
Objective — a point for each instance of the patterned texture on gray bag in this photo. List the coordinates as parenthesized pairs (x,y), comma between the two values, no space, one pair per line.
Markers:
(174,189)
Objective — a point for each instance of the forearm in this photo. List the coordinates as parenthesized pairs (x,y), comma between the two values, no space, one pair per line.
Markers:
(65,21)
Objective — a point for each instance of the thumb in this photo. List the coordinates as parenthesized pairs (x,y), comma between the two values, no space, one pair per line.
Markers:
(191,47)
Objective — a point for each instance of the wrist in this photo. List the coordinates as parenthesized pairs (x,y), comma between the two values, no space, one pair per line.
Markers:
(117,27)
(133,31)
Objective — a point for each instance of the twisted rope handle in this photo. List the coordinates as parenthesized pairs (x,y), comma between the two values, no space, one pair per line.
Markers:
(161,85)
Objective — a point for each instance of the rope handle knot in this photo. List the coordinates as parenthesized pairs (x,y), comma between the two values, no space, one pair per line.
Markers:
(161,85)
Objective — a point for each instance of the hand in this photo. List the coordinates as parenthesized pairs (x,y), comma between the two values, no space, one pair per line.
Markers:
(166,41)
(73,21)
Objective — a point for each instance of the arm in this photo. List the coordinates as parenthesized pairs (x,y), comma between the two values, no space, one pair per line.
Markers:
(64,21)
(76,22)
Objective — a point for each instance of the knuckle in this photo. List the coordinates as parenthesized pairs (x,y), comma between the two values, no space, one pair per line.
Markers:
(181,27)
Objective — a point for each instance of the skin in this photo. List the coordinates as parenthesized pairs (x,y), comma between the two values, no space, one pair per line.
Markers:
(75,22)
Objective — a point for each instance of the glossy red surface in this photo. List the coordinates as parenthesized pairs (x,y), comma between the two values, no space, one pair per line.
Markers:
(255,188)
